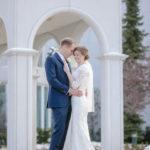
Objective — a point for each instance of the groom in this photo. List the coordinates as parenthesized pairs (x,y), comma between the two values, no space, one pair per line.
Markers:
(59,97)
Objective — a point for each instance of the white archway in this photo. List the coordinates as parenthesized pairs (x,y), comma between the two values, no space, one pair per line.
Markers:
(86,18)
(77,34)
(111,63)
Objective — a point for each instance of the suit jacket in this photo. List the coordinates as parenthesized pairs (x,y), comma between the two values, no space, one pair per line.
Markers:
(58,82)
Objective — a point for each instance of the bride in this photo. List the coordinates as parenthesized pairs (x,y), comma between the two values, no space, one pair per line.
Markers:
(78,137)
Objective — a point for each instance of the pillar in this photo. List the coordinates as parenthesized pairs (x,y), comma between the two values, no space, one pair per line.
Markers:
(21,123)
(112,132)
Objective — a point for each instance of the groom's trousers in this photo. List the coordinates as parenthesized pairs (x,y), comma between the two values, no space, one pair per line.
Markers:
(61,117)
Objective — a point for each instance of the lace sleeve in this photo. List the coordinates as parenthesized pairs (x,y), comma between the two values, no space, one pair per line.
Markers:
(80,81)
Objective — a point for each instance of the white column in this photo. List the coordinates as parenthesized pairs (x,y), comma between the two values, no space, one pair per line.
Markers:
(42,107)
(112,132)
(34,90)
(20,104)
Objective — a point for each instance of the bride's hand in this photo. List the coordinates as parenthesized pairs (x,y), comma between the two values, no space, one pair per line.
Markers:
(66,67)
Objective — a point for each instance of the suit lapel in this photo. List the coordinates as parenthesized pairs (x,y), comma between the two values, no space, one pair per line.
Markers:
(58,57)
(60,60)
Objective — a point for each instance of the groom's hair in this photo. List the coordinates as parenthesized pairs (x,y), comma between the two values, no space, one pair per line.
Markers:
(67,41)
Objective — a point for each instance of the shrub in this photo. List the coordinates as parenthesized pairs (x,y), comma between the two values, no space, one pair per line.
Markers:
(3,137)
(147,135)
(43,135)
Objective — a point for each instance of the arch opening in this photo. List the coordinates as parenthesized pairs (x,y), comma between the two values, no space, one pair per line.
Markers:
(48,35)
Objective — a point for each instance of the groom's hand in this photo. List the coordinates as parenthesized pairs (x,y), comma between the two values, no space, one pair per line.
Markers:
(75,92)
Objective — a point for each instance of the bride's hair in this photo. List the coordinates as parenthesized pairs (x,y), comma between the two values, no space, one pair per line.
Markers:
(83,50)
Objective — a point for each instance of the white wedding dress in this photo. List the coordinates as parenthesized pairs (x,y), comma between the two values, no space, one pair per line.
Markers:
(78,137)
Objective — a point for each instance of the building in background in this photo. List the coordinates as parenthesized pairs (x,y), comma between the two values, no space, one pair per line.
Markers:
(44,116)
(27,31)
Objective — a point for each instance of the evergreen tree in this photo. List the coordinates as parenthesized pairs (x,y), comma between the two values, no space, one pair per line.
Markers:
(133,35)
(133,122)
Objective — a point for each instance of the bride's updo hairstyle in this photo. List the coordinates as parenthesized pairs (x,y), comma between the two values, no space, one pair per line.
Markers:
(83,50)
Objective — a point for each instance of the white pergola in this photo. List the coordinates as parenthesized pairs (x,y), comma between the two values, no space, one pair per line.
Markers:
(25,26)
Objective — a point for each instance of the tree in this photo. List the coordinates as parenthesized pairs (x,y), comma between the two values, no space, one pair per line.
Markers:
(133,35)
(136,70)
(136,81)
(136,95)
(136,85)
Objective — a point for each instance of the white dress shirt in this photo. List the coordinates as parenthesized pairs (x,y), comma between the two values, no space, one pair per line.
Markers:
(62,58)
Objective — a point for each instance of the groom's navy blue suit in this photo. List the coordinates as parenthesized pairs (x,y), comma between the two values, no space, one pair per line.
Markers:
(58,99)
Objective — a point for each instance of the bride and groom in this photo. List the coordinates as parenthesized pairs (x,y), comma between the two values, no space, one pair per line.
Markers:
(70,97)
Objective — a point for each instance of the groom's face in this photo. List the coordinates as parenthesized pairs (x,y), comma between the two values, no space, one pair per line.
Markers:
(69,49)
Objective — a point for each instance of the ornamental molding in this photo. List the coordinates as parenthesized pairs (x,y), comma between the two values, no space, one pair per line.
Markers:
(113,55)
(20,52)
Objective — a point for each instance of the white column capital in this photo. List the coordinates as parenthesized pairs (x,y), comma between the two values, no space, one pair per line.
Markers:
(113,55)
(20,51)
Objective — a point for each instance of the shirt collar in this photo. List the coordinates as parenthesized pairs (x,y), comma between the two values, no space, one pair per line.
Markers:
(61,56)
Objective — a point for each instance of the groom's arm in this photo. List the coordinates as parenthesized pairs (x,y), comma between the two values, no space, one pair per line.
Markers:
(51,76)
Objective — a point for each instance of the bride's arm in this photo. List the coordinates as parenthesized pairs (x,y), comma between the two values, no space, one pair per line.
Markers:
(81,79)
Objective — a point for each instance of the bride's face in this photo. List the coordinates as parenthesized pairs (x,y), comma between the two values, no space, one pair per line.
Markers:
(79,57)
